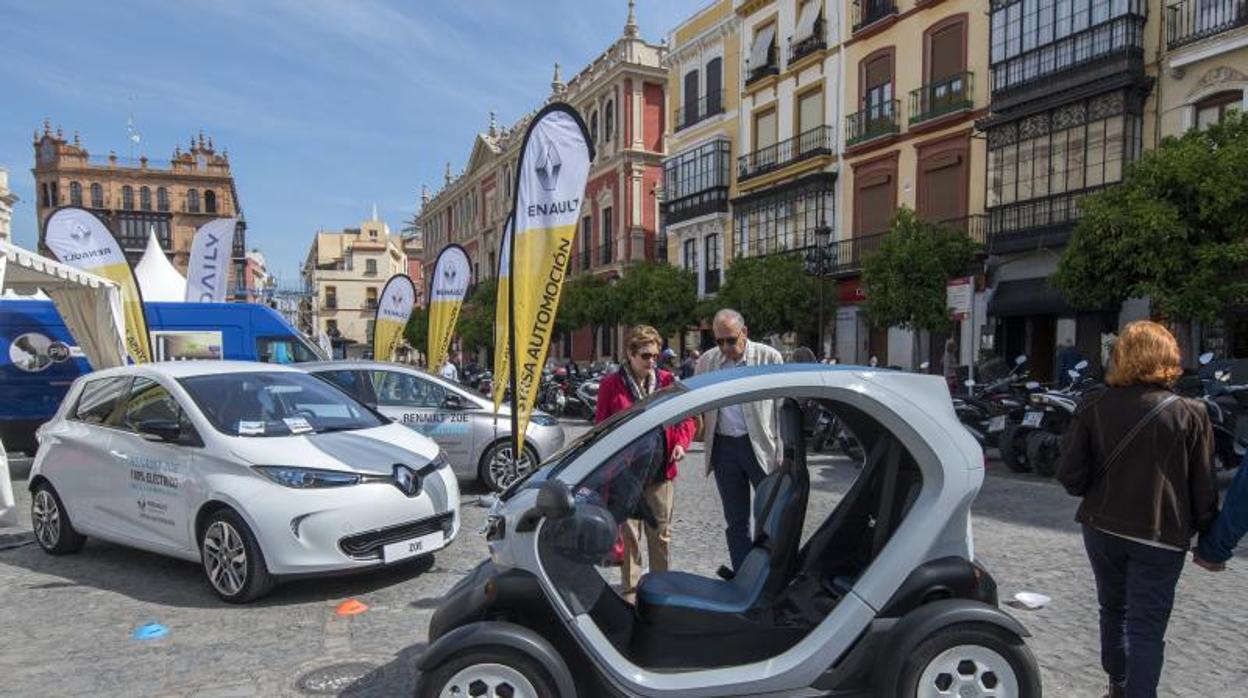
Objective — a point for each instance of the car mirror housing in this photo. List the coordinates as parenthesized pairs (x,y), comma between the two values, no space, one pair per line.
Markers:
(554,499)
(160,430)
(453,402)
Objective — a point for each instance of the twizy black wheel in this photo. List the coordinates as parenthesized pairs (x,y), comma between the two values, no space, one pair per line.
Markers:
(488,671)
(53,530)
(1013,449)
(970,660)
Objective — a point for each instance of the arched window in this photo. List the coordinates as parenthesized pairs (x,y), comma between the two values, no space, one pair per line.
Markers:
(162,199)
(75,194)
(192,201)
(608,128)
(210,201)
(127,197)
(145,199)
(97,195)
(593,127)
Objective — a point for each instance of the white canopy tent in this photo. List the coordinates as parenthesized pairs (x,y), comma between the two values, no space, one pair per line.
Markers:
(157,277)
(89,304)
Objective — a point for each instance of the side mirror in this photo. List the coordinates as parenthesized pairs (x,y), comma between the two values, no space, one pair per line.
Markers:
(1020,359)
(969,382)
(453,401)
(1081,365)
(1205,358)
(554,499)
(167,430)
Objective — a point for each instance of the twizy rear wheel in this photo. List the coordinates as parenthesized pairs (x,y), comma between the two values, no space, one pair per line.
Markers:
(970,660)
(488,671)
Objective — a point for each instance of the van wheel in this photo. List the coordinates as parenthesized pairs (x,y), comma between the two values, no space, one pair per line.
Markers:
(497,471)
(53,530)
(1013,450)
(488,671)
(233,562)
(969,659)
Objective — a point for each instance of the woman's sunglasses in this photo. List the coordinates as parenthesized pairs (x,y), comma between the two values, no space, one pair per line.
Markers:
(647,356)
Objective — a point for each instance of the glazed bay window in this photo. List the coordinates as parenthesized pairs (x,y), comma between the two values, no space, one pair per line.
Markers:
(696,181)
(1034,39)
(782,220)
(1039,167)
(710,283)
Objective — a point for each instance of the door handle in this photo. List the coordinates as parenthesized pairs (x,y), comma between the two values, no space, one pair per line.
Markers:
(119,455)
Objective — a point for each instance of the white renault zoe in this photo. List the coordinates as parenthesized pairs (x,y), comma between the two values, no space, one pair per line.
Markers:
(256,471)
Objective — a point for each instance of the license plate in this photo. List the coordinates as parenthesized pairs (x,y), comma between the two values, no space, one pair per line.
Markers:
(996,424)
(1033,419)
(411,548)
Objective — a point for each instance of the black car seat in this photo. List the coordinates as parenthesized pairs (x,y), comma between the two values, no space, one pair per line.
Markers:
(779,510)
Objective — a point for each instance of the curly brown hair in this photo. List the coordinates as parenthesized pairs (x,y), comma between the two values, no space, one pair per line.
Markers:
(641,336)
(1145,353)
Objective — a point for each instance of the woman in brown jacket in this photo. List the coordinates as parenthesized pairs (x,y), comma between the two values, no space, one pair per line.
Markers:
(1141,459)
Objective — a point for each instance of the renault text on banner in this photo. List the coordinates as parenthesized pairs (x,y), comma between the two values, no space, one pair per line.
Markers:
(80,239)
(398,297)
(209,267)
(451,275)
(554,166)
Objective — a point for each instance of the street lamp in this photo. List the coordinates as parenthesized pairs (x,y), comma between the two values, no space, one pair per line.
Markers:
(817,259)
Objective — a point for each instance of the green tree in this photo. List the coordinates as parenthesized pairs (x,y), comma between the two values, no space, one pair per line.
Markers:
(774,293)
(1175,230)
(582,303)
(655,294)
(476,319)
(416,331)
(905,278)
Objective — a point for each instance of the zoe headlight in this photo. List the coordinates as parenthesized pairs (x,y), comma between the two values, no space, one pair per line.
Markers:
(543,420)
(307,478)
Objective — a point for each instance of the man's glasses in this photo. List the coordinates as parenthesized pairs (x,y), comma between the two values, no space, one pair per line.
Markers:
(727,341)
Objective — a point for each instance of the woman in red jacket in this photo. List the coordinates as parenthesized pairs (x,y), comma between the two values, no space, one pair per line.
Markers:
(637,378)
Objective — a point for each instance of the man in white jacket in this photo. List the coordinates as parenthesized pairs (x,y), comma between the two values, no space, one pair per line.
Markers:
(742,440)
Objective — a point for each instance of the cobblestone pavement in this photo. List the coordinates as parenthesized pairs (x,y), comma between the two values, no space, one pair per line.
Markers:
(67,622)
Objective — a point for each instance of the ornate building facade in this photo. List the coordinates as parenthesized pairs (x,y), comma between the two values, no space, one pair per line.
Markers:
(7,199)
(172,197)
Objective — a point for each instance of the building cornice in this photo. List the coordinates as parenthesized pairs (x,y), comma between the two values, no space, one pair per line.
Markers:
(710,38)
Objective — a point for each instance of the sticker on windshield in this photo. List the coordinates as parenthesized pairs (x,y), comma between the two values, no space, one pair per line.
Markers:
(250,428)
(297,425)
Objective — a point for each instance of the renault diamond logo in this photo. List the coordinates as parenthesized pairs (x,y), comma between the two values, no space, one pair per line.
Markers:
(547,162)
(80,233)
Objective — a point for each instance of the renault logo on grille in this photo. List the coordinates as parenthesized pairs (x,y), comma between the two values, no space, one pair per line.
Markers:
(406,480)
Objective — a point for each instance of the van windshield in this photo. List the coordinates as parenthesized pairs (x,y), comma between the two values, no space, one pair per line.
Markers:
(276,404)
(285,350)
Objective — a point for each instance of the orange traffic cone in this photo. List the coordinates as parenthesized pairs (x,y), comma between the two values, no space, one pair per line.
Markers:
(351,607)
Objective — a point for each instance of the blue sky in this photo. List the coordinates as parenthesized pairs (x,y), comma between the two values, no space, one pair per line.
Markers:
(326,106)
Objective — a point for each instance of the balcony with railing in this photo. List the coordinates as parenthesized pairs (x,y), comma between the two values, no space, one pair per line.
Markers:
(714,200)
(846,256)
(942,97)
(817,41)
(695,111)
(868,12)
(1189,21)
(770,67)
(876,121)
(1045,222)
(820,140)
(1101,51)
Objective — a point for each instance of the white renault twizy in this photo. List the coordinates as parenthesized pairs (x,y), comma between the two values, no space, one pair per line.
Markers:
(882,598)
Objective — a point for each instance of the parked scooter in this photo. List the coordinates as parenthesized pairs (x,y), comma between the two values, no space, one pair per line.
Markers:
(984,410)
(1045,420)
(1227,405)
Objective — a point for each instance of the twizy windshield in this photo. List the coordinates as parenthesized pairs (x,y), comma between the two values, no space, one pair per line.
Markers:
(564,456)
(276,404)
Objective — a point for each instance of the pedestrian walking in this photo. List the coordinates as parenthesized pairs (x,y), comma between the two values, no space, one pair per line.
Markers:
(690,364)
(742,440)
(1140,457)
(638,377)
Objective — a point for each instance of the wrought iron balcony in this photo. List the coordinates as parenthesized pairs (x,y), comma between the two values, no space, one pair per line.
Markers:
(713,200)
(876,121)
(847,255)
(1188,21)
(1037,223)
(820,140)
(704,108)
(868,12)
(942,97)
(805,46)
(1096,52)
(975,226)
(771,67)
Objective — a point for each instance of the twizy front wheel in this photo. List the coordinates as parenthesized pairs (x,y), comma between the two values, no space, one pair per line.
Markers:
(970,660)
(488,671)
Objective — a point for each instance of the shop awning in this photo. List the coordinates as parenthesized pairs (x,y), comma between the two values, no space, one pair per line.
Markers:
(1027,297)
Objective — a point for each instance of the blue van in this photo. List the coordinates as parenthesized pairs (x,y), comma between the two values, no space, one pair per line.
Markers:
(39,359)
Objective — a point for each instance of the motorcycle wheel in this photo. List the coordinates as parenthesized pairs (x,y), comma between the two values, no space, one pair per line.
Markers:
(1042,452)
(1013,449)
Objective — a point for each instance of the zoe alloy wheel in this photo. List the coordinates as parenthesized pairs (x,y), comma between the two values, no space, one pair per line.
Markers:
(970,660)
(488,671)
(497,469)
(232,559)
(53,530)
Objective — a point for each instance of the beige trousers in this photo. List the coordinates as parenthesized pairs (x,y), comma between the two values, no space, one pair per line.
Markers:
(661,498)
